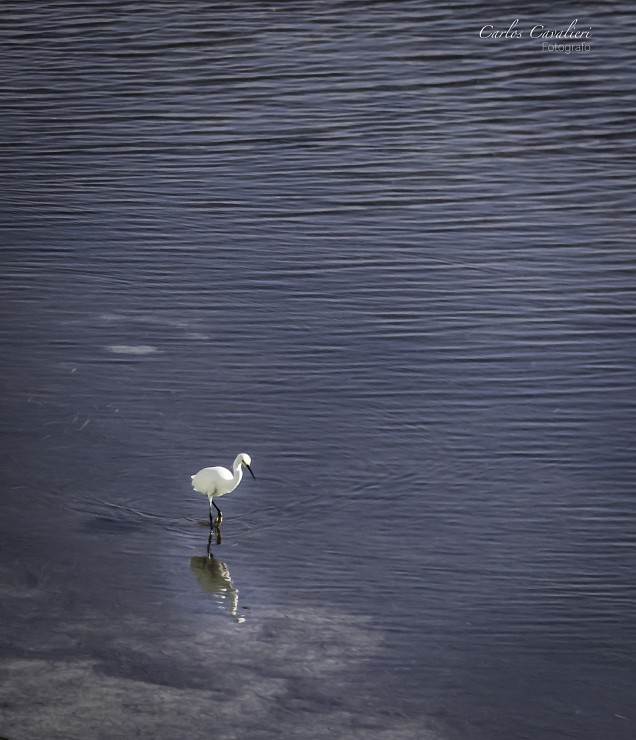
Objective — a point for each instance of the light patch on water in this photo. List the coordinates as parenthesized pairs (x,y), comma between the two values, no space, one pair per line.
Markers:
(166,678)
(197,335)
(132,349)
(75,699)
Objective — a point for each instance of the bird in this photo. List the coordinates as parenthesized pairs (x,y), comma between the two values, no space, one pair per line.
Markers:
(218,481)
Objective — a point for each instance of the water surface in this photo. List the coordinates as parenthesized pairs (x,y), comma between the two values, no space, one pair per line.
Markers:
(390,260)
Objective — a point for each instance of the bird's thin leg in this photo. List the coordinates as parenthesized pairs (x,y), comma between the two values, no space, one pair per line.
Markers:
(211,519)
(218,540)
(220,516)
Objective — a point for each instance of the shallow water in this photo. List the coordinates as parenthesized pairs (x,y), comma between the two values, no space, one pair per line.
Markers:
(391,260)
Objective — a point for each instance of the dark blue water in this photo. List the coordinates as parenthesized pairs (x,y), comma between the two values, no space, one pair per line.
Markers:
(392,261)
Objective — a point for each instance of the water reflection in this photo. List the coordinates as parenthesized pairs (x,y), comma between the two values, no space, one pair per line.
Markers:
(214,577)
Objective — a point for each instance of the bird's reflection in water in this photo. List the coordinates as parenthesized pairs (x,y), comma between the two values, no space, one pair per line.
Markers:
(214,577)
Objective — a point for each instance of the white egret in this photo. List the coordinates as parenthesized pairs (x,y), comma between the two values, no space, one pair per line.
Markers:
(218,481)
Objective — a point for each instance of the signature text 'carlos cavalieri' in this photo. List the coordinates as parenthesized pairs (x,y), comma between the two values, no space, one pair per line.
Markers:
(571,33)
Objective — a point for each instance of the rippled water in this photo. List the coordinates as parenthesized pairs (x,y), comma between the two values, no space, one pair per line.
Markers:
(394,262)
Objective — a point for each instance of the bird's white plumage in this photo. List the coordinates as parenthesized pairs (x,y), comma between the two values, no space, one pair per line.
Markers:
(217,481)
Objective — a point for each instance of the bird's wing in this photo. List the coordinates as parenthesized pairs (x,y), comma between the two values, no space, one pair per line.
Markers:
(222,472)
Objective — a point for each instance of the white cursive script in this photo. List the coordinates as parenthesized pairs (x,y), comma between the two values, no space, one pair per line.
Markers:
(489,32)
(538,31)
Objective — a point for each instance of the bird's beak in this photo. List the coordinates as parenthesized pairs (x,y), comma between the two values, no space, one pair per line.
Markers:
(250,469)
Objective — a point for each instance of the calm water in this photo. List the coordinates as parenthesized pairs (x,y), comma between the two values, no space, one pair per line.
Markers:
(394,262)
